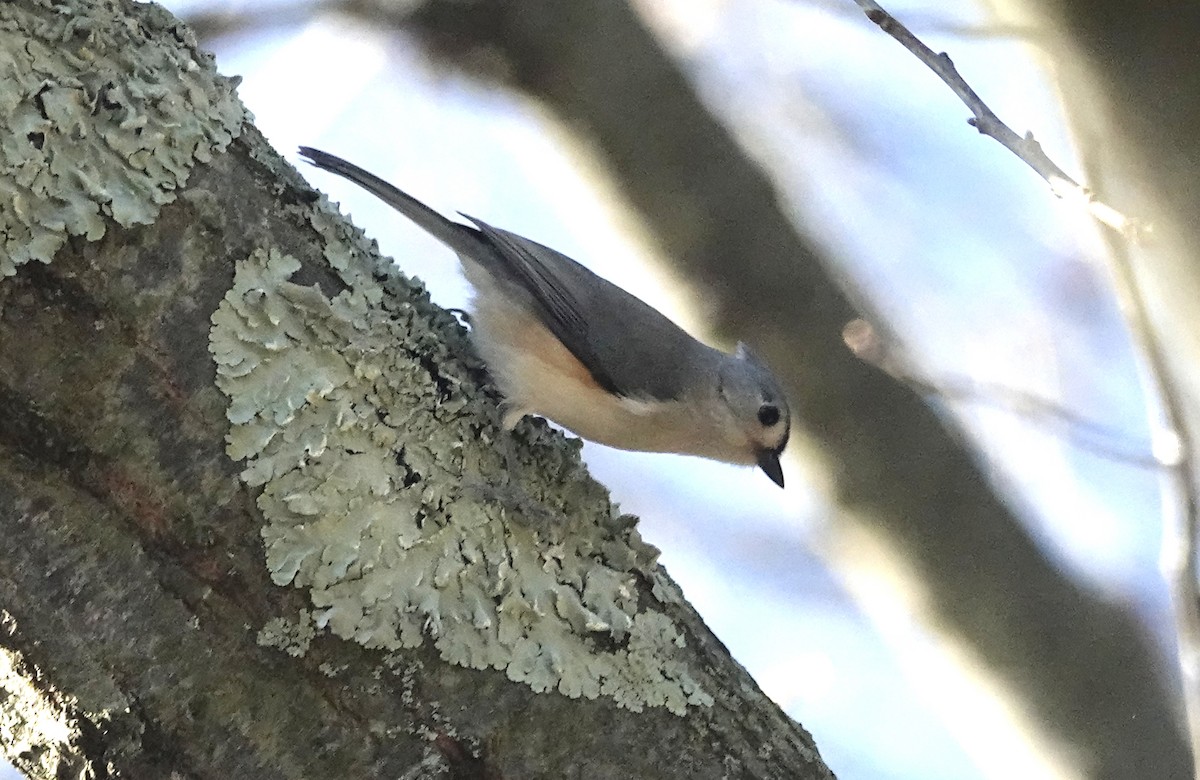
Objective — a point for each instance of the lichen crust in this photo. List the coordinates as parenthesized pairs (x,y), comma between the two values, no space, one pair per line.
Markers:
(291,636)
(34,728)
(105,107)
(377,451)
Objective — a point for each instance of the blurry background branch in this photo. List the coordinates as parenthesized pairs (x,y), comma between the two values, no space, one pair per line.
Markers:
(1133,87)
(1174,439)
(888,355)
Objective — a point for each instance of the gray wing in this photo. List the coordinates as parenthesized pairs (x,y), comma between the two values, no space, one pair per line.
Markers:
(628,346)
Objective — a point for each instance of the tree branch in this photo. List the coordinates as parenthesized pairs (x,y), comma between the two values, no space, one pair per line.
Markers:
(260,518)
(888,355)
(1025,147)
(1173,443)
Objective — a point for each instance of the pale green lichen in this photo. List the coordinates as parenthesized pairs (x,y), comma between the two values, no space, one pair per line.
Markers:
(377,455)
(291,636)
(33,727)
(331,670)
(105,107)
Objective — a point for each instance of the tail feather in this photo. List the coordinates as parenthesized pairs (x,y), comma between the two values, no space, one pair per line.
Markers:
(461,238)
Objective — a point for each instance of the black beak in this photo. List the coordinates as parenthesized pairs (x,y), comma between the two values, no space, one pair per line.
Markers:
(768,461)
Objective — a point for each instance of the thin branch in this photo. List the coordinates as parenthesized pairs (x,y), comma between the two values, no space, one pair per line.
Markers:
(937,23)
(1180,485)
(1025,147)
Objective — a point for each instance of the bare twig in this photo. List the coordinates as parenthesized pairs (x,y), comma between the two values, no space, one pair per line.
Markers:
(938,23)
(1026,147)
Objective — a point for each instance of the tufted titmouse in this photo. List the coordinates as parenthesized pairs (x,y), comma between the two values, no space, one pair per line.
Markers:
(563,343)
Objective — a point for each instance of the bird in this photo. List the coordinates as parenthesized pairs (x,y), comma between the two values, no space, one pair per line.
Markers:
(563,343)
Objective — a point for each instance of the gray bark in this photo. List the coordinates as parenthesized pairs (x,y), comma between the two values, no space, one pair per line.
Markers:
(144,631)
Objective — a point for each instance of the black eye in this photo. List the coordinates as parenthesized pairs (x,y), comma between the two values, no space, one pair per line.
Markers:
(768,415)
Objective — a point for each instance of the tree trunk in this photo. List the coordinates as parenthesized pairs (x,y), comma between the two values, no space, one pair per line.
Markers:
(212,390)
